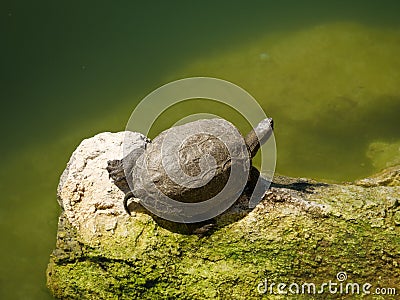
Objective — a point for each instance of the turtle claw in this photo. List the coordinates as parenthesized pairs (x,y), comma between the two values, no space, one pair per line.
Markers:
(126,198)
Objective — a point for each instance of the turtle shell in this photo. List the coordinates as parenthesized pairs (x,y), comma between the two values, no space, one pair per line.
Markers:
(192,162)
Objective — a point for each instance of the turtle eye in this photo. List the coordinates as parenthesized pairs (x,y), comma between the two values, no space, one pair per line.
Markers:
(271,122)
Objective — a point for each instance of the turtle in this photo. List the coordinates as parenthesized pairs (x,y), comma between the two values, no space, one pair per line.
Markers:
(191,163)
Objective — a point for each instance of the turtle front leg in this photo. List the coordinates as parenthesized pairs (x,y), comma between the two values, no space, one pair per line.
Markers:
(257,186)
(254,174)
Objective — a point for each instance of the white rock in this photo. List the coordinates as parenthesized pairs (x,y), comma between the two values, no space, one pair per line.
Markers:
(85,192)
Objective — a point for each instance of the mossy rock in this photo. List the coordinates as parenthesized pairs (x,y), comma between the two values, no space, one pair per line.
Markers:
(302,232)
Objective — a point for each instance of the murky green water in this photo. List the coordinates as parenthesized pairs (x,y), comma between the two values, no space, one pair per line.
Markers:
(329,75)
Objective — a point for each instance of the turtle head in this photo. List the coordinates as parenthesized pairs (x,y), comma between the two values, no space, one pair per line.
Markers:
(264,130)
(259,135)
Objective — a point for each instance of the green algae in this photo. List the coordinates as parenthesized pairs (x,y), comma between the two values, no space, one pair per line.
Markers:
(384,154)
(302,237)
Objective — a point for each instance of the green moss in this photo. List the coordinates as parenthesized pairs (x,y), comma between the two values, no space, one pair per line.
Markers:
(280,241)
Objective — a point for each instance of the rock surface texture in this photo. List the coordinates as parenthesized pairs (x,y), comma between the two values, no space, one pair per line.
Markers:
(301,232)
